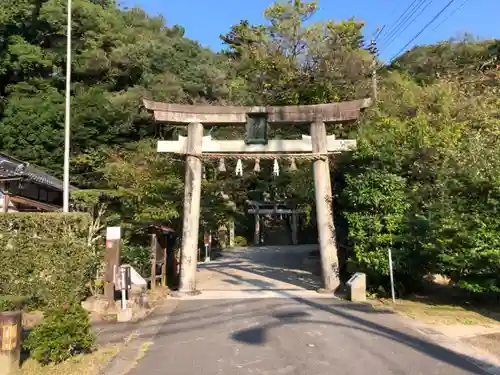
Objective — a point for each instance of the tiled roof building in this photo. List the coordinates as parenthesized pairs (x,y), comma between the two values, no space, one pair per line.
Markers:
(25,188)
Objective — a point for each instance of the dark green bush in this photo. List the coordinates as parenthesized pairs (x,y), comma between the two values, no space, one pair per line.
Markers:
(63,333)
(45,256)
(138,257)
(424,181)
(240,241)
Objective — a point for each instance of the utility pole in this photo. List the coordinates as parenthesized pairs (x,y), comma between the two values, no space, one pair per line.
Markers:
(373,50)
(67,113)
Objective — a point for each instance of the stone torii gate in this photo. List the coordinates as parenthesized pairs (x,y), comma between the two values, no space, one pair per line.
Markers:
(317,147)
(258,208)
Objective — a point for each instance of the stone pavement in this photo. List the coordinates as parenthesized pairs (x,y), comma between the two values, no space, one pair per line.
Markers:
(231,329)
(261,272)
(297,336)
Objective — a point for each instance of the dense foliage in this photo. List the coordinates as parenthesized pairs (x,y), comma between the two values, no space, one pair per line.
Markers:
(466,60)
(45,257)
(119,57)
(423,181)
(64,332)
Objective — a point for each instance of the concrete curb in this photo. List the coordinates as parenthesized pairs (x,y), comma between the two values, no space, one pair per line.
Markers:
(258,294)
(139,341)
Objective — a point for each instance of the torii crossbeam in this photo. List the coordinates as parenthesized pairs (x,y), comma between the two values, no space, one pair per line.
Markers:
(318,144)
(209,145)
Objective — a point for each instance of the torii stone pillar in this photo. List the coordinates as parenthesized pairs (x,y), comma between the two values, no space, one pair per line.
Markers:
(191,214)
(318,143)
(256,235)
(324,211)
(295,239)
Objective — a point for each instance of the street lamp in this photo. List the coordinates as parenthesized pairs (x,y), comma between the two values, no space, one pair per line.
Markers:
(67,113)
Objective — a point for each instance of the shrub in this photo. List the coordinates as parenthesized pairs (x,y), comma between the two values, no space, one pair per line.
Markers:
(45,257)
(138,257)
(63,333)
(240,241)
(424,181)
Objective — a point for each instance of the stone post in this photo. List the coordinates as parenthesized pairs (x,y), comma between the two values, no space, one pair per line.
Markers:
(6,197)
(324,212)
(164,267)
(153,260)
(10,341)
(295,240)
(112,262)
(231,233)
(256,238)
(191,218)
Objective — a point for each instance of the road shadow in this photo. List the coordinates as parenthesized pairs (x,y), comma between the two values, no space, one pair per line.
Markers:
(258,335)
(195,317)
(299,268)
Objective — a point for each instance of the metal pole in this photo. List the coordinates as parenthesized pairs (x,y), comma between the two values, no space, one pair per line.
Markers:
(124,286)
(207,257)
(373,51)
(209,245)
(67,114)
(391,274)
(374,80)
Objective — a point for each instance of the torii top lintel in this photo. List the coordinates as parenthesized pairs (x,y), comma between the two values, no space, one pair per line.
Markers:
(235,115)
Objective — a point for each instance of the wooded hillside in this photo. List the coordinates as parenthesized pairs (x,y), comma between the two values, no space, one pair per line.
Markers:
(424,181)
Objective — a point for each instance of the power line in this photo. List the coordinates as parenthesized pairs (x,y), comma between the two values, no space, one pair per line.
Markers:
(374,37)
(379,32)
(450,15)
(397,28)
(401,18)
(411,19)
(424,28)
(373,51)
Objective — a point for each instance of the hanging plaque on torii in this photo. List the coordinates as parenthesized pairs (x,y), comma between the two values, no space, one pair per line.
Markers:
(256,133)
(316,147)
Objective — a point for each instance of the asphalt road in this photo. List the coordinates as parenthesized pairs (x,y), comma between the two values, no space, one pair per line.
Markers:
(292,336)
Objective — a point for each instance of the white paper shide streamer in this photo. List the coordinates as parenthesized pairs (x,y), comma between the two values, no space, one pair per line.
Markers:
(239,168)
(276,168)
(222,165)
(256,168)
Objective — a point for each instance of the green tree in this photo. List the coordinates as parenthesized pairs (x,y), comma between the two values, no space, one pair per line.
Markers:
(119,56)
(290,60)
(431,153)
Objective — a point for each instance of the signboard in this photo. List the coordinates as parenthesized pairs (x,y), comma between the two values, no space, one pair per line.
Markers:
(256,129)
(113,233)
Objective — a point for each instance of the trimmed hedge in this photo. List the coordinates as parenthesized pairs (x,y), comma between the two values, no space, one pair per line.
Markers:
(45,257)
(11,303)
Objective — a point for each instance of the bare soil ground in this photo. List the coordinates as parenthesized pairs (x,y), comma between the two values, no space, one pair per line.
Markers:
(489,342)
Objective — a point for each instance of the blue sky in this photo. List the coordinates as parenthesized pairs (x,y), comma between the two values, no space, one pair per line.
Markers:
(205,20)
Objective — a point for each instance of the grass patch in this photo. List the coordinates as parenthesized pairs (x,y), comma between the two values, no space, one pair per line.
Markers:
(438,310)
(90,364)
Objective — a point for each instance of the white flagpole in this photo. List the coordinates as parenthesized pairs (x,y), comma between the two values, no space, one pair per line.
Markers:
(67,114)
